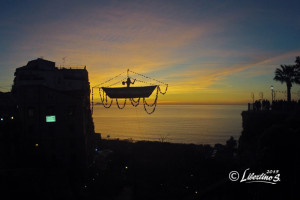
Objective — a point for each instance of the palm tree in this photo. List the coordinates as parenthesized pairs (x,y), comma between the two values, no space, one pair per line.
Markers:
(297,61)
(288,74)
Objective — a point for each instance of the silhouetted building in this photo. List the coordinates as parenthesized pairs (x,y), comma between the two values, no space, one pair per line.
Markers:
(57,129)
(9,130)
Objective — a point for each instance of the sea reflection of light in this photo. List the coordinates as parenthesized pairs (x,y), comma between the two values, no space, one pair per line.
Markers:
(199,124)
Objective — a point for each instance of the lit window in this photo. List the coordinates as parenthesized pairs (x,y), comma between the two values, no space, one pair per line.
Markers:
(71,111)
(36,145)
(11,117)
(2,119)
(51,118)
(31,112)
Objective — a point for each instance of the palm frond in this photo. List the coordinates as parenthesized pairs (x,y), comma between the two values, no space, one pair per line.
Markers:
(287,74)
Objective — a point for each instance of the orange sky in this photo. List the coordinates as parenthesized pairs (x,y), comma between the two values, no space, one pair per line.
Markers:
(208,52)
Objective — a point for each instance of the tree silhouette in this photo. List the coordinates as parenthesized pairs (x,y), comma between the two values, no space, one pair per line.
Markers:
(288,74)
(297,61)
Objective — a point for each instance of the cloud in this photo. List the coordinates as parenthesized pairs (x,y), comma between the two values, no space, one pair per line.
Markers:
(195,47)
(109,41)
(200,79)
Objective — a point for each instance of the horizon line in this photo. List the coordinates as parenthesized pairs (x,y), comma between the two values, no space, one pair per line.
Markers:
(186,103)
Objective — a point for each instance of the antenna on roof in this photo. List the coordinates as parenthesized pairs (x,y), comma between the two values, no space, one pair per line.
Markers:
(64,60)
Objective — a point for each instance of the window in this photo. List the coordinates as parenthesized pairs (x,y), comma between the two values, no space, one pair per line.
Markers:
(50,110)
(71,111)
(30,112)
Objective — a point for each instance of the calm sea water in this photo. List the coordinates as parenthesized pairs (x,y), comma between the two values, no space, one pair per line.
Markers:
(198,124)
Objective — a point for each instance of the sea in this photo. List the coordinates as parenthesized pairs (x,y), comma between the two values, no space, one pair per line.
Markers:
(197,124)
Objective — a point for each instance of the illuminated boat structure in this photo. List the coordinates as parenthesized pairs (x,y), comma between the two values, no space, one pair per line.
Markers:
(129,92)
(134,94)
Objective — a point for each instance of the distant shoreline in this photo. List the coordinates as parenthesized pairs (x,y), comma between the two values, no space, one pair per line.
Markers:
(166,141)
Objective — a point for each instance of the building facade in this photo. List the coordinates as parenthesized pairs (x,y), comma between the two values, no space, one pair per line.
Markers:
(53,103)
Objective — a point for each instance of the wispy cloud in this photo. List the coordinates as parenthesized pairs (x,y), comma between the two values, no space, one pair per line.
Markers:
(200,79)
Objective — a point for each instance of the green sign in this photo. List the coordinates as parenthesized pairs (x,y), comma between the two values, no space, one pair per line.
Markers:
(51,118)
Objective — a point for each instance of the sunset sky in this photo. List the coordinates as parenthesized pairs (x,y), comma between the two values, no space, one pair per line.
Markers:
(209,52)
